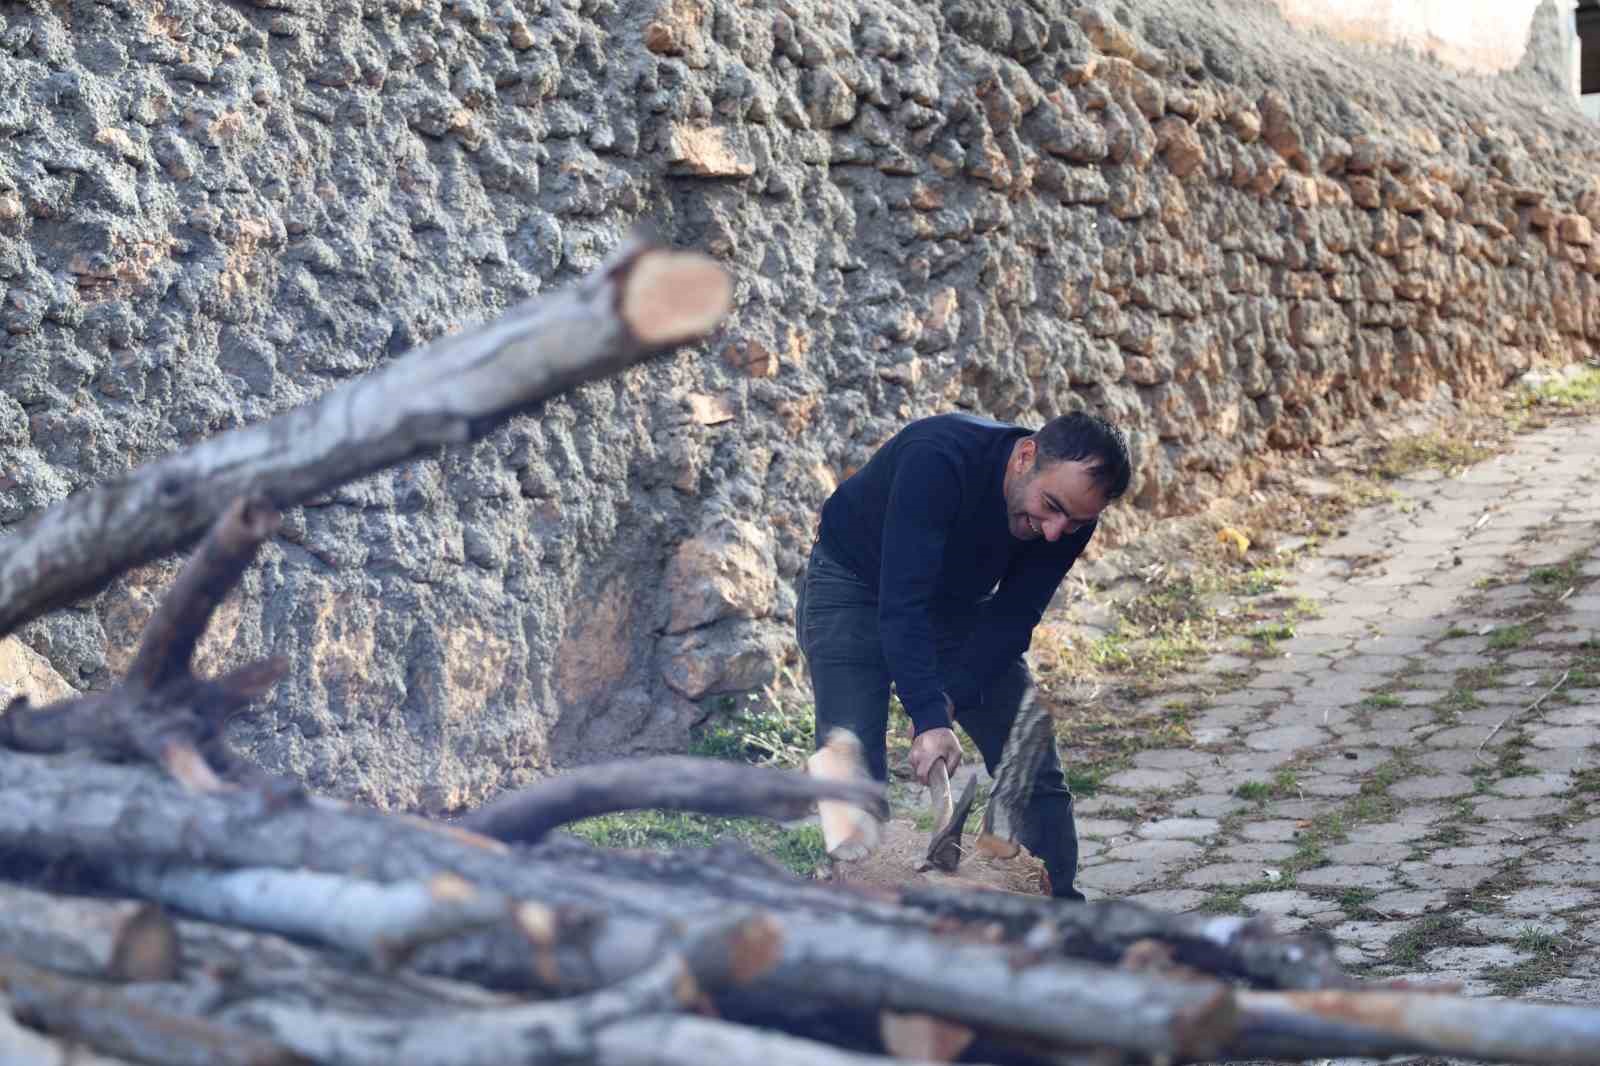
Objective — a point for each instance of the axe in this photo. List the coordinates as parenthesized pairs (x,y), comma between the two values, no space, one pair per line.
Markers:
(1031,736)
(949,820)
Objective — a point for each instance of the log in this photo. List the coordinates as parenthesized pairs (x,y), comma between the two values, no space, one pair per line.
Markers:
(1231,946)
(564,1030)
(382,923)
(1376,1023)
(849,832)
(106,1019)
(668,782)
(116,814)
(644,300)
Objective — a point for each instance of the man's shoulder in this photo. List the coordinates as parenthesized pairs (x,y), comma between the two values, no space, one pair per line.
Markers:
(957,429)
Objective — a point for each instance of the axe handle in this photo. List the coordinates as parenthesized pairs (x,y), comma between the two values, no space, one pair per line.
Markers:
(939,800)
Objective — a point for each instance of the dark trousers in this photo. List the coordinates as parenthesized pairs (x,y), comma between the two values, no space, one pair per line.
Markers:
(836,621)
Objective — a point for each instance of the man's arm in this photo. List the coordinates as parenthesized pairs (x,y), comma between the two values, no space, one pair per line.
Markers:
(1005,626)
(923,503)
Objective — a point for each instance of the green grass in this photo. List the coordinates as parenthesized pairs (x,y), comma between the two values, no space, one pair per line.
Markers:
(1581,391)
(1545,962)
(1457,631)
(1556,578)
(1507,637)
(1384,699)
(758,729)
(1229,899)
(1255,791)
(1438,451)
(800,849)
(1425,934)
(1460,699)
(1270,633)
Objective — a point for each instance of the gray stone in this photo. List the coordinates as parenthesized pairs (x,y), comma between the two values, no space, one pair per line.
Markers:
(1171,900)
(1147,780)
(1286,738)
(1117,878)
(1209,805)
(1387,832)
(1370,665)
(1467,736)
(1282,903)
(1450,760)
(1173,759)
(1179,828)
(1536,807)
(1533,785)
(1371,937)
(1346,876)
(1440,786)
(1267,853)
(1103,827)
(1426,875)
(1275,829)
(1471,960)
(1471,855)
(1366,854)
(1501,927)
(1155,852)
(1328,785)
(1410,903)
(1225,873)
(1564,736)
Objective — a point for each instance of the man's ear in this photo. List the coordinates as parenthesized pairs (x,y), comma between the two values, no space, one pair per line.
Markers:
(1026,451)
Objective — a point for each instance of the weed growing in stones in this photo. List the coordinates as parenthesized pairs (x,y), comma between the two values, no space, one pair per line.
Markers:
(1255,791)
(1460,699)
(1427,933)
(1546,961)
(1437,450)
(1508,637)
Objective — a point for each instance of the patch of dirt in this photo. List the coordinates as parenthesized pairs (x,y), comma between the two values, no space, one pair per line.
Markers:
(895,864)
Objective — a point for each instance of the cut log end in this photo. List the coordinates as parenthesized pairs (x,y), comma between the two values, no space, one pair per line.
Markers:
(756,948)
(189,767)
(922,1037)
(670,297)
(849,834)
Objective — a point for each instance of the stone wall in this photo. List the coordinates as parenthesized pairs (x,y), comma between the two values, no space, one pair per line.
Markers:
(1232,237)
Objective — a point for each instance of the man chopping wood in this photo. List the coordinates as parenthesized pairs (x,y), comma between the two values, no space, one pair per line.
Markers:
(931,567)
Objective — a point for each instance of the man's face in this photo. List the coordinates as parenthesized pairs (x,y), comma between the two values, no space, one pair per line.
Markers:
(1049,501)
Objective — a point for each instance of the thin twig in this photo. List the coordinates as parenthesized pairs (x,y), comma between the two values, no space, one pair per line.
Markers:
(1526,710)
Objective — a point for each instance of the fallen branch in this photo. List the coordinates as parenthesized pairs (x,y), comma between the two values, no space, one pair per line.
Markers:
(209,575)
(1103,930)
(110,1021)
(383,923)
(1529,709)
(644,300)
(669,782)
(564,1030)
(1377,1023)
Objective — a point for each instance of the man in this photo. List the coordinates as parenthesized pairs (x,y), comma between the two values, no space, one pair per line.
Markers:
(931,567)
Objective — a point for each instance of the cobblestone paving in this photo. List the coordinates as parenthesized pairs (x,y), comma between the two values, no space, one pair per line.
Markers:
(1416,770)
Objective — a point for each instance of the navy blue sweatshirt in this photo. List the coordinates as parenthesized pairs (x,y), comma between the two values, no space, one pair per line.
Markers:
(926,521)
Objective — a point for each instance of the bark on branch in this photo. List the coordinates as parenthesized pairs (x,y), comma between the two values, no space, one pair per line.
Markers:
(670,782)
(644,300)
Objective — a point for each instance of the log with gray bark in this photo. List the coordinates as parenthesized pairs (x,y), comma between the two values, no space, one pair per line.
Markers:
(103,821)
(646,299)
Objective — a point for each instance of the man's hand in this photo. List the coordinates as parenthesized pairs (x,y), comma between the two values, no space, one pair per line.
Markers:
(929,747)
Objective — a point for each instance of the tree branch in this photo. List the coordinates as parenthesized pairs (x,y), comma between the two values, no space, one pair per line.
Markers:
(110,1021)
(669,782)
(644,300)
(210,574)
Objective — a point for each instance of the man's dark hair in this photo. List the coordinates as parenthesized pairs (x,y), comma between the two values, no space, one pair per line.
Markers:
(1087,438)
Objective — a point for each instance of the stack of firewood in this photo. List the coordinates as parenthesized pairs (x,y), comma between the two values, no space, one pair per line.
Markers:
(163,902)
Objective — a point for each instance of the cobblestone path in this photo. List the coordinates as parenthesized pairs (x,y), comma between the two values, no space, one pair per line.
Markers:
(1416,770)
